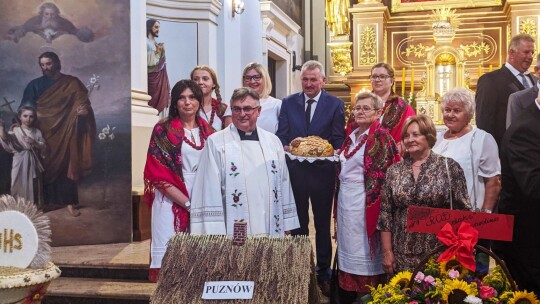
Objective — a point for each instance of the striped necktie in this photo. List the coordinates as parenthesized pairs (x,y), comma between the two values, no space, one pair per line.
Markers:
(524,81)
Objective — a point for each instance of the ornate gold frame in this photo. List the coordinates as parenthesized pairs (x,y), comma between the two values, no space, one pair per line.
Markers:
(398,7)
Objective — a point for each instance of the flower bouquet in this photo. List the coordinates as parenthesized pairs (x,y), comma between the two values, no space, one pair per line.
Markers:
(452,279)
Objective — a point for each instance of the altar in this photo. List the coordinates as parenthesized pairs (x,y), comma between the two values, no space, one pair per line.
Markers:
(433,46)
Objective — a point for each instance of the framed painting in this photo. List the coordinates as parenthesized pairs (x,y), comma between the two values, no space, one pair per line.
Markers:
(68,63)
(399,6)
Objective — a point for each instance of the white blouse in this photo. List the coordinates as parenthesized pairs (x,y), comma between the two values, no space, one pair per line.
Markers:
(269,118)
(190,155)
(478,155)
(352,169)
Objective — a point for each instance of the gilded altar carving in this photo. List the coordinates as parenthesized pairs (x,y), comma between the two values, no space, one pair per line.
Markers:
(341,57)
(474,49)
(399,6)
(529,26)
(385,46)
(508,32)
(368,45)
(419,50)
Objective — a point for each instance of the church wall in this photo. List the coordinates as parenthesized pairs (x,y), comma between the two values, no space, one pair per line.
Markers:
(281,39)
(205,32)
(232,39)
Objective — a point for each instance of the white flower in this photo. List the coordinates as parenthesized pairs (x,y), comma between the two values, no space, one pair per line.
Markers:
(94,79)
(419,277)
(472,300)
(453,274)
(107,132)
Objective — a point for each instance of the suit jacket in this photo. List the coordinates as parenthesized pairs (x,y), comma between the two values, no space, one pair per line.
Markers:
(492,94)
(518,101)
(328,121)
(520,196)
(520,164)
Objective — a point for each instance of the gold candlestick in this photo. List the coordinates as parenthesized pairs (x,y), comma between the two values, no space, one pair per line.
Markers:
(403,74)
(412,80)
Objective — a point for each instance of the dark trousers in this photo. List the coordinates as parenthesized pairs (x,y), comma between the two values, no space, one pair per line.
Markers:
(315,181)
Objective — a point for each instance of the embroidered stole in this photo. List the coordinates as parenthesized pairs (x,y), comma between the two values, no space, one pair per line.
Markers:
(236,200)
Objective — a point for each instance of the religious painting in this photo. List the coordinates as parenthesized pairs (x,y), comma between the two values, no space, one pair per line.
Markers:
(65,132)
(423,5)
(293,9)
(168,39)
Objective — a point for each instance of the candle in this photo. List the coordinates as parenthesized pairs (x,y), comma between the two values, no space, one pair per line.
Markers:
(412,80)
(491,67)
(479,71)
(403,74)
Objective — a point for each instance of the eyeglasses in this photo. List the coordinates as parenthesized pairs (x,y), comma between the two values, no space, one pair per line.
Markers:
(248,110)
(379,77)
(248,78)
(363,109)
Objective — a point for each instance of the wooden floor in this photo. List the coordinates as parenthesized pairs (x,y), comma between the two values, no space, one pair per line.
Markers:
(121,254)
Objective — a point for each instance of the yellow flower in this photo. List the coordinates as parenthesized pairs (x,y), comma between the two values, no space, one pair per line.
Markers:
(401,279)
(455,291)
(453,264)
(522,297)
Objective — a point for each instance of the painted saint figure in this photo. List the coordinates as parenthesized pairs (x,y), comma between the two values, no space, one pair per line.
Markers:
(337,16)
(27,144)
(158,81)
(67,120)
(49,25)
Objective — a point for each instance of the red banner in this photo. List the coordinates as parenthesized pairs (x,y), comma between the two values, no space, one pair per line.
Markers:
(490,226)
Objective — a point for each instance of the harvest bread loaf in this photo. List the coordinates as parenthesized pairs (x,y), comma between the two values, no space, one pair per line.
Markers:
(311,146)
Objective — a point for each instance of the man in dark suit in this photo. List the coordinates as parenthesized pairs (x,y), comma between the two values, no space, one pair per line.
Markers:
(313,112)
(520,196)
(520,100)
(495,87)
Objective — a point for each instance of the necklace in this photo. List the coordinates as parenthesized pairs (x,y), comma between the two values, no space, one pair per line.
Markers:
(193,144)
(350,154)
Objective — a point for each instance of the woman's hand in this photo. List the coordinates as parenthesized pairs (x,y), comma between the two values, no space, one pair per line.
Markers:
(389,262)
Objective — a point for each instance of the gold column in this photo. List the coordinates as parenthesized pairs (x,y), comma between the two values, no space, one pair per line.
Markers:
(369,32)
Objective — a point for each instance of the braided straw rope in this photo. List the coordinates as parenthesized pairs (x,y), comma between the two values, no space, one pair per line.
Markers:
(282,268)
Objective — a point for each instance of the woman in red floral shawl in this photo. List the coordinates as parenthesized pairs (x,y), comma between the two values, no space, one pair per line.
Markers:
(366,154)
(396,109)
(212,109)
(172,160)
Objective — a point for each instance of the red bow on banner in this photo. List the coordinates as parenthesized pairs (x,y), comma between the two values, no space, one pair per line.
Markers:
(461,245)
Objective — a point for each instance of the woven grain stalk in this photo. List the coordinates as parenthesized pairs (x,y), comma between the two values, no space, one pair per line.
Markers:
(282,269)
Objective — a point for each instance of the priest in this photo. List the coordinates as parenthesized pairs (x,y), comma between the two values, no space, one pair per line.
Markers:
(243,180)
